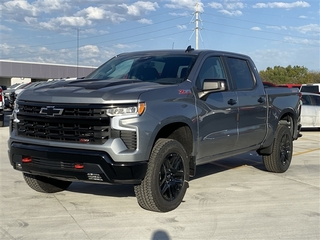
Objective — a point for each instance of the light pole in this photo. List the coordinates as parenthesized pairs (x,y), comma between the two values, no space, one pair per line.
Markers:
(78,30)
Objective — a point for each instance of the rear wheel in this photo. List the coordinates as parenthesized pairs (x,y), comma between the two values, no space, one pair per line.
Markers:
(280,158)
(45,184)
(166,180)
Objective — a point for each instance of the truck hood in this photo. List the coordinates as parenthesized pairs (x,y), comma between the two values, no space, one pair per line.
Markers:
(90,91)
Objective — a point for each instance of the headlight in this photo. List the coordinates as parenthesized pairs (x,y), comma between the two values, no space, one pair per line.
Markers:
(131,110)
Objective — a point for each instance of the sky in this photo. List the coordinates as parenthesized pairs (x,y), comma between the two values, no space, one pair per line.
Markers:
(89,32)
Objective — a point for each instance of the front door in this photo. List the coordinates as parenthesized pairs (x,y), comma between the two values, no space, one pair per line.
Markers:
(217,113)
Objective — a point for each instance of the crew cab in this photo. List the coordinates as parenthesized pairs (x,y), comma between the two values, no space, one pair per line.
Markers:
(149,119)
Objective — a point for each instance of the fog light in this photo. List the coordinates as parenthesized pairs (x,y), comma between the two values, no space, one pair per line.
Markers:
(18,166)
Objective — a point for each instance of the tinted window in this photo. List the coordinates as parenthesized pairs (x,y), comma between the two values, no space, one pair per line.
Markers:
(312,89)
(306,100)
(240,73)
(315,100)
(310,100)
(211,69)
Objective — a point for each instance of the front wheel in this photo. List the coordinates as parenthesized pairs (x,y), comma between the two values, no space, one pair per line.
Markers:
(280,158)
(166,180)
(45,184)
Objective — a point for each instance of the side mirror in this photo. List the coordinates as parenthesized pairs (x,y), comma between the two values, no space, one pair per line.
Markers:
(213,85)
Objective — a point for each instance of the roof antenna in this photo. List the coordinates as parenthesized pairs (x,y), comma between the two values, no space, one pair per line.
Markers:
(189,49)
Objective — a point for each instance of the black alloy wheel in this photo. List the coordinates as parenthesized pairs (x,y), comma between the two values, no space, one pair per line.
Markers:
(171,176)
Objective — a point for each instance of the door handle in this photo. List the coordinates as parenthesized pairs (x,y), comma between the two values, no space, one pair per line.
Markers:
(261,100)
(232,102)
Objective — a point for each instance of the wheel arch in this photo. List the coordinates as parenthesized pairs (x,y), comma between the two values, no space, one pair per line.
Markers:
(290,119)
(181,132)
(287,118)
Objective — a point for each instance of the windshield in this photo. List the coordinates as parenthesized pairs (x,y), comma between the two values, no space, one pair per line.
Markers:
(163,69)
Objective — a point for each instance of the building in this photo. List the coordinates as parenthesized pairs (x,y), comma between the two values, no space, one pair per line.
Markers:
(12,72)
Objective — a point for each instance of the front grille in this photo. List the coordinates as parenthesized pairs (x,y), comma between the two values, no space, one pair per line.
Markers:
(67,111)
(86,124)
(56,129)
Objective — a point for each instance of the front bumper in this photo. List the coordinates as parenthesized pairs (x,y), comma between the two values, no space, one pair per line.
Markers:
(74,164)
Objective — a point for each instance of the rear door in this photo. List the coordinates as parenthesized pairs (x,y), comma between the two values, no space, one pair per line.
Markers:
(252,116)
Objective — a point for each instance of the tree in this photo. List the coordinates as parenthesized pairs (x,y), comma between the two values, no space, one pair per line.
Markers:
(295,74)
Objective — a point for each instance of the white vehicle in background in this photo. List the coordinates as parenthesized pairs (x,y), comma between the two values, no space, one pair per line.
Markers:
(62,79)
(33,84)
(310,87)
(14,94)
(9,90)
(310,110)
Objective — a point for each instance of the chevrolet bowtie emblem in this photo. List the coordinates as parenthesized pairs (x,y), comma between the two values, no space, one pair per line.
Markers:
(51,110)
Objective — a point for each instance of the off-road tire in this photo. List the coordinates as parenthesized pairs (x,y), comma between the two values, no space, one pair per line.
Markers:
(166,180)
(280,158)
(45,184)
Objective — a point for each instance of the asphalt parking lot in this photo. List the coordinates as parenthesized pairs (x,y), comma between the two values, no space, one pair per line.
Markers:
(234,198)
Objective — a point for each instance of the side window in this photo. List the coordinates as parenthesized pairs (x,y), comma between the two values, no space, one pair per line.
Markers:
(306,100)
(316,100)
(240,73)
(211,69)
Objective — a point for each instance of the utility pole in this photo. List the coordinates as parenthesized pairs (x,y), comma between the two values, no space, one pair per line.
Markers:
(196,29)
(197,25)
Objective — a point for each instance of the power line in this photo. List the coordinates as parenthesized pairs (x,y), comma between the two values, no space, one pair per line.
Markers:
(269,39)
(126,39)
(102,35)
(237,19)
(275,33)
(120,39)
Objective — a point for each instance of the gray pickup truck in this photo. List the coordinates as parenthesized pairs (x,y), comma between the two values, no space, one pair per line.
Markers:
(148,119)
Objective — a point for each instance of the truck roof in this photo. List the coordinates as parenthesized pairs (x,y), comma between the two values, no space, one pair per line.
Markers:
(182,51)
